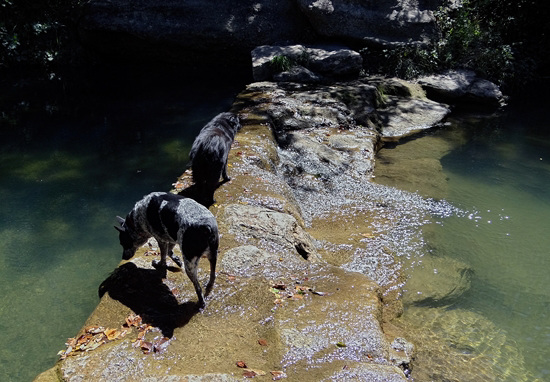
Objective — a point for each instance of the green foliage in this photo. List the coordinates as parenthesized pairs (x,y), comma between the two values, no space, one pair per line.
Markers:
(469,39)
(281,63)
(502,40)
(35,34)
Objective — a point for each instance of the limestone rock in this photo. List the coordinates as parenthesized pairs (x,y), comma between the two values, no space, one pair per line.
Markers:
(402,117)
(383,20)
(212,31)
(297,74)
(188,31)
(307,64)
(462,87)
(276,231)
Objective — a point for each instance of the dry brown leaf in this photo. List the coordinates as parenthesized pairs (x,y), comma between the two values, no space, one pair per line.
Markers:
(94,329)
(112,334)
(254,372)
(146,347)
(280,286)
(277,375)
(262,342)
(241,364)
(85,338)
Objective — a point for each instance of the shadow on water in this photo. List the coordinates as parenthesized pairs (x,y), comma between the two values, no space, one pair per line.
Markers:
(143,291)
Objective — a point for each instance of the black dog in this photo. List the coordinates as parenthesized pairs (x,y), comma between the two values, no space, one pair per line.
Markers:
(209,154)
(172,219)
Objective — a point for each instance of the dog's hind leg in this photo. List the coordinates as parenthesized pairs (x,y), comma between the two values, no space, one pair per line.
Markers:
(212,256)
(191,268)
(225,177)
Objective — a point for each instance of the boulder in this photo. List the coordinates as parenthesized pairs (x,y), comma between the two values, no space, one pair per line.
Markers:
(188,31)
(463,88)
(403,116)
(214,31)
(380,21)
(305,64)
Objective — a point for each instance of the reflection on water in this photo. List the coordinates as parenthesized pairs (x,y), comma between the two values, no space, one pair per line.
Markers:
(63,181)
(498,171)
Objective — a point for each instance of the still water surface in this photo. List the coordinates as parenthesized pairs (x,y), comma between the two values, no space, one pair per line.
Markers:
(497,171)
(62,182)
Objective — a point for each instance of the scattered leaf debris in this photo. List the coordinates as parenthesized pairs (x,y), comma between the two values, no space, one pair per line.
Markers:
(262,342)
(283,292)
(251,373)
(95,336)
(241,364)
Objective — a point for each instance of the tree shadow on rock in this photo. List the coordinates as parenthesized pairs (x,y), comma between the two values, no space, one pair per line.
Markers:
(143,291)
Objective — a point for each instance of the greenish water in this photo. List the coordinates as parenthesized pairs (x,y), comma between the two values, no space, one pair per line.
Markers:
(496,170)
(502,175)
(62,182)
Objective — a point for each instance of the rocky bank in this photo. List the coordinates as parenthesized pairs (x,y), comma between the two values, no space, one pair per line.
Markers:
(309,286)
(210,32)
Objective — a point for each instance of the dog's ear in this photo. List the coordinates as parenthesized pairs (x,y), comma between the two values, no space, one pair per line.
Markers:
(120,220)
(120,229)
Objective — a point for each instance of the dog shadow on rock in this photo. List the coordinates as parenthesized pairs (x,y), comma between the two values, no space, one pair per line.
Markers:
(143,291)
(197,194)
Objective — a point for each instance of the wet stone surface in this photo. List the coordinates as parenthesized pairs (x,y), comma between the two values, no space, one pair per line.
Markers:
(309,276)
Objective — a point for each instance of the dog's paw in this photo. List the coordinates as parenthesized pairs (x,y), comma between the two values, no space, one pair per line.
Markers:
(177,261)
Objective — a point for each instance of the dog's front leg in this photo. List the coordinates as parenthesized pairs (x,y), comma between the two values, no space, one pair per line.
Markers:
(173,256)
(165,249)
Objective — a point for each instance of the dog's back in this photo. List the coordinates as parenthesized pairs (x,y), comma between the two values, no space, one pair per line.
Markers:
(167,217)
(210,151)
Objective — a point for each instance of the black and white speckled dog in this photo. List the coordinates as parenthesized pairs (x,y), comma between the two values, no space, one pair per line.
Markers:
(173,219)
(209,154)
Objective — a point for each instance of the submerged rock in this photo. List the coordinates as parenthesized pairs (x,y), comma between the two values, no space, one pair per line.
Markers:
(437,281)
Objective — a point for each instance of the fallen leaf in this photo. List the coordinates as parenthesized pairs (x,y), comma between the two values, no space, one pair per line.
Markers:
(241,364)
(297,296)
(249,374)
(71,342)
(161,345)
(146,347)
(279,286)
(318,293)
(111,334)
(94,329)
(84,339)
(253,372)
(341,345)
(368,235)
(277,375)
(133,320)
(262,342)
